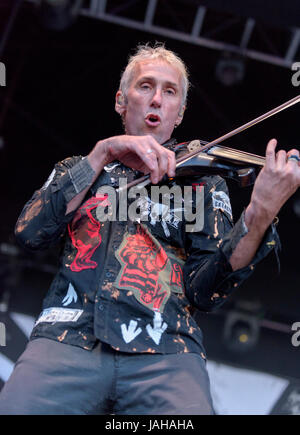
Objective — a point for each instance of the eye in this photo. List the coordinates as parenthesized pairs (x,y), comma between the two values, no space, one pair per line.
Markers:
(145,86)
(170,91)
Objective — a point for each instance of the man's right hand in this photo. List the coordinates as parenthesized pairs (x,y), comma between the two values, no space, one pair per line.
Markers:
(142,153)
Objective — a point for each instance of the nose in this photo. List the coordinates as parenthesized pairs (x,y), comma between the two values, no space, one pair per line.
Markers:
(156,98)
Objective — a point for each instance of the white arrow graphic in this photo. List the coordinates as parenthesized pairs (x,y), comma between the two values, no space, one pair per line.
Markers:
(158,328)
(131,332)
(70,296)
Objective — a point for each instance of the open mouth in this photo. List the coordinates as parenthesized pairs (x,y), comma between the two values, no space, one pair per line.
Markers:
(152,120)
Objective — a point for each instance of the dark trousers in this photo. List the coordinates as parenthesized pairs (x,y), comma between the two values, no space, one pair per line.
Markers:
(56,378)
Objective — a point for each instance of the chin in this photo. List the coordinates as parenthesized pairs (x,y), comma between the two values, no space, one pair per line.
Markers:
(158,136)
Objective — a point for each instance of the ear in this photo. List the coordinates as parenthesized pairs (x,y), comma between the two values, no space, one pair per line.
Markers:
(180,116)
(120,105)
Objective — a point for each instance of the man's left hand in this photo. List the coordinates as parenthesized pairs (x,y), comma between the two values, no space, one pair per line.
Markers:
(275,184)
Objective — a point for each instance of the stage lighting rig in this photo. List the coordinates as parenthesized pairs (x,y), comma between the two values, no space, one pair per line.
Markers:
(59,14)
(242,327)
(230,70)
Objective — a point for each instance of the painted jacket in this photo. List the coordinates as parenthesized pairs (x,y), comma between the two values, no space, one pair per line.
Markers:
(134,267)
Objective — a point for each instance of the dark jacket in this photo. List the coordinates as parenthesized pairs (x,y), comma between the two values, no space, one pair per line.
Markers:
(133,283)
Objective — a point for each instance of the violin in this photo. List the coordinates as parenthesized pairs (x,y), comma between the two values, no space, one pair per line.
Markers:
(219,160)
(211,158)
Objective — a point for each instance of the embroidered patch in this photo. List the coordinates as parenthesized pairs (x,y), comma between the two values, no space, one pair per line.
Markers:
(157,212)
(158,328)
(84,231)
(131,332)
(70,297)
(57,314)
(147,271)
(221,200)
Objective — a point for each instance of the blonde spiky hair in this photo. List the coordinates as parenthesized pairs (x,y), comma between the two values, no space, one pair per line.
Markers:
(158,51)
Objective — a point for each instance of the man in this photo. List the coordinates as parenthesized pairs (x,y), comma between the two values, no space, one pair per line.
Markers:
(116,333)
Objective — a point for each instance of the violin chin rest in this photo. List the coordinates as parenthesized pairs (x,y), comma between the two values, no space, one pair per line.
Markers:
(245,176)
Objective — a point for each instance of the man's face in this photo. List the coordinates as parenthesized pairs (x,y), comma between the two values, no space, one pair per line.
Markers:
(153,100)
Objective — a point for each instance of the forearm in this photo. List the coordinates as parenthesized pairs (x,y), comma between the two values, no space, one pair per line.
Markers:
(45,216)
(257,224)
(281,174)
(43,220)
(97,160)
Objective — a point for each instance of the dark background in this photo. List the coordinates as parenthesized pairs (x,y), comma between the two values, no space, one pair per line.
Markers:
(59,101)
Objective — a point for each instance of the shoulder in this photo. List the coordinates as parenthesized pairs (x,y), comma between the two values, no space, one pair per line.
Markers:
(69,162)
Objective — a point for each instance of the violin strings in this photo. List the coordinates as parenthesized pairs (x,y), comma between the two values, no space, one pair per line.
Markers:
(232,133)
(243,127)
(238,153)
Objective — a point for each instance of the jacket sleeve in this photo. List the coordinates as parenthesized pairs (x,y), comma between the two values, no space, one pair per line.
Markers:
(209,278)
(43,221)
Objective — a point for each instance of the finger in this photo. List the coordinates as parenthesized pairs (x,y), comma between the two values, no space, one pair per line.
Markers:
(270,154)
(293,157)
(163,162)
(152,163)
(172,164)
(281,159)
(167,160)
(161,155)
(148,156)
